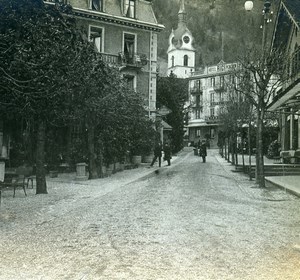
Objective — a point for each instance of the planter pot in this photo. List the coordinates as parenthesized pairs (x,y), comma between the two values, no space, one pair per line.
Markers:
(81,173)
(147,159)
(136,160)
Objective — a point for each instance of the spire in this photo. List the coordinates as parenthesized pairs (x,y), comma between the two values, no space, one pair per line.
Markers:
(182,12)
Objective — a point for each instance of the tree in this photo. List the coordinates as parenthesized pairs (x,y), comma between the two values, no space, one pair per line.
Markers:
(172,92)
(260,76)
(38,47)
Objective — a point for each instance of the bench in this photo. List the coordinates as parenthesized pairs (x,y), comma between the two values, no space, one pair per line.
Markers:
(13,183)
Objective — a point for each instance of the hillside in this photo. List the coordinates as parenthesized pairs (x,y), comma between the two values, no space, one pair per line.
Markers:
(211,23)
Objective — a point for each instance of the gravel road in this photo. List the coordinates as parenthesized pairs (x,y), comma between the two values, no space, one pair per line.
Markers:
(189,221)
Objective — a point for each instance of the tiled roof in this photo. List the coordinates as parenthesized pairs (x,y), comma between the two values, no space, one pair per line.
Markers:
(293,6)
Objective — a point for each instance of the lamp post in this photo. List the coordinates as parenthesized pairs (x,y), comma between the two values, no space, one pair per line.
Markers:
(261,94)
(266,18)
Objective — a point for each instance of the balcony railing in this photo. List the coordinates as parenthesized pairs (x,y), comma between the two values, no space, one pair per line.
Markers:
(136,61)
(212,119)
(133,60)
(215,103)
(197,106)
(196,90)
(110,58)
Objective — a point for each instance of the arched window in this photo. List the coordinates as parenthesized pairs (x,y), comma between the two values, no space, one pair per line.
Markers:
(185,60)
(172,59)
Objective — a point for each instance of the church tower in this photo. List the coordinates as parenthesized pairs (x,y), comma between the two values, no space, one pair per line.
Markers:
(181,53)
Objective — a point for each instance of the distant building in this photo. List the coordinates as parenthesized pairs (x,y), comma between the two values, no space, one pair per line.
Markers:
(181,53)
(125,33)
(208,94)
(287,100)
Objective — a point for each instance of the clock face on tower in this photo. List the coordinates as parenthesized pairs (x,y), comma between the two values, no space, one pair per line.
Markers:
(186,39)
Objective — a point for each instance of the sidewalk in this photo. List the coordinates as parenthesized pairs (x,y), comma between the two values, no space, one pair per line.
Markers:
(288,183)
(143,170)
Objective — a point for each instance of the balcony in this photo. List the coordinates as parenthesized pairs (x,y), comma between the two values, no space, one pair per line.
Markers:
(212,119)
(217,103)
(136,60)
(220,88)
(197,106)
(110,58)
(196,90)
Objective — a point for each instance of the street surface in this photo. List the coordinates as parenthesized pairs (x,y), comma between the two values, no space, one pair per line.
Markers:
(190,221)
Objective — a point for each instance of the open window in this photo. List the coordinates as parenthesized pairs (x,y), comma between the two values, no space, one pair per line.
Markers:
(96,5)
(130,8)
(96,36)
(129,47)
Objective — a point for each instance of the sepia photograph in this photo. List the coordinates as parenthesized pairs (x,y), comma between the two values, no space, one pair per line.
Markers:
(149,140)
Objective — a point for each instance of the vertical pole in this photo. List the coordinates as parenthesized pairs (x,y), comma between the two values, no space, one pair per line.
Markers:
(249,148)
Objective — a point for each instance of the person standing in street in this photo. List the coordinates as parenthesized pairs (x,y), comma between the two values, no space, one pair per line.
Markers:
(167,151)
(203,150)
(157,154)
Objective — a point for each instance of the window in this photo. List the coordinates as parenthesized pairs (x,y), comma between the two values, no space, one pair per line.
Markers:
(96,5)
(185,60)
(221,96)
(212,82)
(172,59)
(222,81)
(130,8)
(198,132)
(212,112)
(129,47)
(129,81)
(212,97)
(212,133)
(96,36)
(197,100)
(198,113)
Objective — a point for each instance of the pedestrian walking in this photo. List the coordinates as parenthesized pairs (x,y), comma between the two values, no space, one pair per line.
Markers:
(203,150)
(167,151)
(157,154)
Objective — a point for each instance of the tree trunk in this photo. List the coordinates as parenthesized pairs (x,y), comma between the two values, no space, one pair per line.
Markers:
(69,146)
(41,186)
(93,174)
(260,176)
(232,150)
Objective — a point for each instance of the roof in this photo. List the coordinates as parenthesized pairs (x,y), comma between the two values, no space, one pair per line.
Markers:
(288,16)
(165,125)
(293,7)
(114,13)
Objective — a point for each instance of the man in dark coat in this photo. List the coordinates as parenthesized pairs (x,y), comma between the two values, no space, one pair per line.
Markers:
(203,150)
(157,154)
